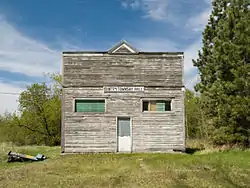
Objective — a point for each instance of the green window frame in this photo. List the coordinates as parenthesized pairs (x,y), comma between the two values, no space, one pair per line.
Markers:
(156,105)
(89,105)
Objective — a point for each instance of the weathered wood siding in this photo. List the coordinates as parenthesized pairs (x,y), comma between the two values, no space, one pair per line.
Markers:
(84,77)
(151,131)
(105,69)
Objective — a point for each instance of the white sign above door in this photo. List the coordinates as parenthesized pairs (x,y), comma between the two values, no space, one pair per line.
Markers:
(122,89)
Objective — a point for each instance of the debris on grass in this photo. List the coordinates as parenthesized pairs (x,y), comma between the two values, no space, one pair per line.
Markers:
(13,156)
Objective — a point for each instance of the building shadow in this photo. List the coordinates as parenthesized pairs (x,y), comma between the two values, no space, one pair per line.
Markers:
(193,150)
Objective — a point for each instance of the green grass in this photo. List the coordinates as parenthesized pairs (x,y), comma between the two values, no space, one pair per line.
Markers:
(202,169)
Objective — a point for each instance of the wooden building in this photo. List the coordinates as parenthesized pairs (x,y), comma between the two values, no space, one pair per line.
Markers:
(122,100)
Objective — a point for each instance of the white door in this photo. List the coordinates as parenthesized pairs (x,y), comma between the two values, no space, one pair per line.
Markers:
(124,135)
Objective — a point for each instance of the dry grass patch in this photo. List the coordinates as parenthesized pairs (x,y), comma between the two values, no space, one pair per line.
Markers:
(218,169)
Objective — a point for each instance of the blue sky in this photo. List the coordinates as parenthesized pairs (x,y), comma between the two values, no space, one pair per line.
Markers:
(33,33)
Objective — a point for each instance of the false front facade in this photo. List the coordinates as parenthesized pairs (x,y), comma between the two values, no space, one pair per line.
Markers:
(122,100)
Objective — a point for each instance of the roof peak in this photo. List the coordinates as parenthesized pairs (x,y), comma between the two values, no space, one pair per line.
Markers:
(123,47)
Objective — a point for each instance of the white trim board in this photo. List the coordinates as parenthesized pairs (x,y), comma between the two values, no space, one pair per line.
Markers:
(126,46)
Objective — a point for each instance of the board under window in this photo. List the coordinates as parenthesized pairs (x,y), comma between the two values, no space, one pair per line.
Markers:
(82,105)
(156,105)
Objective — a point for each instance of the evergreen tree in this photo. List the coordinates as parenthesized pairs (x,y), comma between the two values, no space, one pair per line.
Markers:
(224,69)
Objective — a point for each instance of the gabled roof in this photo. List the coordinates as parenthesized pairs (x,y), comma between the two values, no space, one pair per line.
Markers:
(123,47)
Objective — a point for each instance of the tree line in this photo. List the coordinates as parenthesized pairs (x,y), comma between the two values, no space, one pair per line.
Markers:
(38,118)
(218,110)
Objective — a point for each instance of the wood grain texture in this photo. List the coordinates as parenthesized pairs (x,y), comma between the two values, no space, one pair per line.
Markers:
(136,70)
(151,131)
(85,77)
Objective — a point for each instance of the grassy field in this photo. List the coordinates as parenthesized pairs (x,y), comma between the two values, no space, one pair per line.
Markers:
(201,169)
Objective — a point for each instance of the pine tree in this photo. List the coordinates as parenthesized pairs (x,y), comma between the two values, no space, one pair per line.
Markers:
(224,69)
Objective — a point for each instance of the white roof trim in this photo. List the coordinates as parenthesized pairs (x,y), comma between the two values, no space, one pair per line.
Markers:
(123,44)
(182,56)
(126,46)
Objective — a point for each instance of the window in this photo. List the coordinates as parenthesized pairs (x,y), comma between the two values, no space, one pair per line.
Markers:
(89,105)
(159,105)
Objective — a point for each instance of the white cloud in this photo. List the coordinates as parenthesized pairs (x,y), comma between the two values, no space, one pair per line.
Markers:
(191,77)
(19,53)
(9,97)
(157,10)
(209,1)
(191,52)
(199,21)
(154,9)
(134,4)
(192,81)
(125,4)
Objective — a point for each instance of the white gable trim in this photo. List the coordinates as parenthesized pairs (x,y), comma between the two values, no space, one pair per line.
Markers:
(124,45)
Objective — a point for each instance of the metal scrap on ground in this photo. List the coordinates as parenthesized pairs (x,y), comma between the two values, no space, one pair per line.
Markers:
(13,156)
